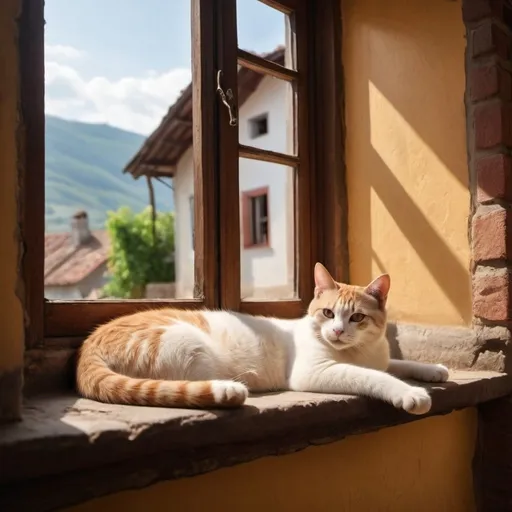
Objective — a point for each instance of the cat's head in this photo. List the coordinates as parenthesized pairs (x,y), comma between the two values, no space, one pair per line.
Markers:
(344,316)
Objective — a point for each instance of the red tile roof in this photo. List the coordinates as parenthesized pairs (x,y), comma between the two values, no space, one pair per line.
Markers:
(65,264)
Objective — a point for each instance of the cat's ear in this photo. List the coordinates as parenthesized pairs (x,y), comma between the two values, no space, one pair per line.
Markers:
(323,280)
(379,288)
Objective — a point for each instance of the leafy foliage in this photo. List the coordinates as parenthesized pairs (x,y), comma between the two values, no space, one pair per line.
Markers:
(136,259)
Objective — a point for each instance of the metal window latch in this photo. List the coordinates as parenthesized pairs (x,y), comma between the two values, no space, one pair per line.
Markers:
(228,99)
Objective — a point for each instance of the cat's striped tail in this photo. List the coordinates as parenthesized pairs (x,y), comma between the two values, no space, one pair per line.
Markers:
(95,380)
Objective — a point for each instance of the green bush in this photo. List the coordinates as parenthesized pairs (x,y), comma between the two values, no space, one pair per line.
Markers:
(136,259)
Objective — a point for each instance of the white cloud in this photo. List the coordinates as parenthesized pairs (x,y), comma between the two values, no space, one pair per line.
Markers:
(58,51)
(134,103)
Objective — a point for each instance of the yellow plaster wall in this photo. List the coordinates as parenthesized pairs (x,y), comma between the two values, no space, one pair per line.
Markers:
(419,467)
(11,316)
(406,154)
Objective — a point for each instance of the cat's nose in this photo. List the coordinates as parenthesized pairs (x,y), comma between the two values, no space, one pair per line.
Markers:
(338,332)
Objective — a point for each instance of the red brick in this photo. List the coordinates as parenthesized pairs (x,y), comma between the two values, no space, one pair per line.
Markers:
(494,178)
(489,80)
(474,10)
(490,38)
(491,230)
(493,123)
(491,294)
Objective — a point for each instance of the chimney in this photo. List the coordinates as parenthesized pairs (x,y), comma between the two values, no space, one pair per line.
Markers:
(80,233)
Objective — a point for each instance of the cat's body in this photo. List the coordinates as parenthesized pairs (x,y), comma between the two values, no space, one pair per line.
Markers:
(203,358)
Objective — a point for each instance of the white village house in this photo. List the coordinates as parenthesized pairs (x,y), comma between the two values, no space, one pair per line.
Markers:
(266,189)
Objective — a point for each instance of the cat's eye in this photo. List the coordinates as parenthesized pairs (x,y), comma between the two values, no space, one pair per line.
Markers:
(328,313)
(357,317)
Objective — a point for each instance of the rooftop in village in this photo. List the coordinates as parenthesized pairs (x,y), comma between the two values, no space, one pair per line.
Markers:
(71,256)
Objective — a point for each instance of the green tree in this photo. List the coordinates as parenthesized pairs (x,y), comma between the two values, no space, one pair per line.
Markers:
(137,257)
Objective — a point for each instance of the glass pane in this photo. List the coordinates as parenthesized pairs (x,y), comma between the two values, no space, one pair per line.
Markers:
(266,112)
(262,30)
(107,93)
(268,233)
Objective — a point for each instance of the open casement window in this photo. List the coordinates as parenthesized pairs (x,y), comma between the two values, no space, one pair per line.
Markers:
(193,128)
(293,87)
(274,278)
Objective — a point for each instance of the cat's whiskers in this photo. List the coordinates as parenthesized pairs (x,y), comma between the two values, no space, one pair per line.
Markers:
(237,378)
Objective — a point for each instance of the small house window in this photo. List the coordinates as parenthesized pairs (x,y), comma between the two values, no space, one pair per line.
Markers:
(258,126)
(256,218)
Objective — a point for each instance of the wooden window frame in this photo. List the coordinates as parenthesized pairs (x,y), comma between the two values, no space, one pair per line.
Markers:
(300,76)
(191,206)
(247,197)
(319,160)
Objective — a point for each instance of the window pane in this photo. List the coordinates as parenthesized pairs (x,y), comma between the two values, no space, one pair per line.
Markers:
(268,233)
(266,103)
(107,131)
(263,29)
(266,113)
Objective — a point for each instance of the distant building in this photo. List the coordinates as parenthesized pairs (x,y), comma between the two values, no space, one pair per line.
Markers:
(75,263)
(266,189)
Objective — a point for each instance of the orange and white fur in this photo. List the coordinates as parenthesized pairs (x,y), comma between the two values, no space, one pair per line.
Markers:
(175,358)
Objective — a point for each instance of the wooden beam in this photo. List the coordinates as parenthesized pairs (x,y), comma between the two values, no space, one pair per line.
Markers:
(204,144)
(265,67)
(284,6)
(183,120)
(294,308)
(265,155)
(152,202)
(229,209)
(304,142)
(165,165)
(171,143)
(66,318)
(327,130)
(31,167)
(154,170)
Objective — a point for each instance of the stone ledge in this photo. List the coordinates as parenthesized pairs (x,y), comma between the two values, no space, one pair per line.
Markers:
(87,449)
(51,369)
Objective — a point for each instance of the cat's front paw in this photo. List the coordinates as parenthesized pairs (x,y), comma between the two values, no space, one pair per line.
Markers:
(414,401)
(228,393)
(435,373)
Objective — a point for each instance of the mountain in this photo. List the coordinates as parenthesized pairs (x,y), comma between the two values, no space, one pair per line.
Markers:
(84,170)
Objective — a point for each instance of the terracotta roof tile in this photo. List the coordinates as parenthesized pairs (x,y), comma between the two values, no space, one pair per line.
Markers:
(65,264)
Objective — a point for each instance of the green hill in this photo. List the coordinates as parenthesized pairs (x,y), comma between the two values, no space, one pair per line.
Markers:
(84,170)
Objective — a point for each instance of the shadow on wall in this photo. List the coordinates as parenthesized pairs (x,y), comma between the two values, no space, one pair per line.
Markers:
(407,170)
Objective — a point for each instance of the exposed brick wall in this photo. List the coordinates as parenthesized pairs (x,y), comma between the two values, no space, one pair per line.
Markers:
(489,113)
(489,129)
(494,178)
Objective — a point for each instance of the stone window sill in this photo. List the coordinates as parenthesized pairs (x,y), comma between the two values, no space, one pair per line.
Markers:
(68,450)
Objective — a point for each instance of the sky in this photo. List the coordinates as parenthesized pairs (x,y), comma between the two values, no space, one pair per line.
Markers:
(124,62)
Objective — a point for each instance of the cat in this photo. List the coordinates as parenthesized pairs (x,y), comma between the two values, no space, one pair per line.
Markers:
(211,359)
